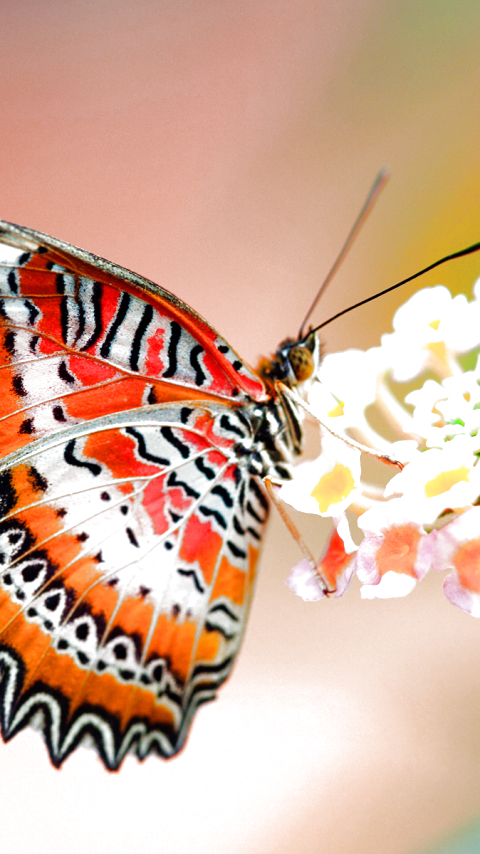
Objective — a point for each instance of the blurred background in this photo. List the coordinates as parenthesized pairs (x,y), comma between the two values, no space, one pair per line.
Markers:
(223,149)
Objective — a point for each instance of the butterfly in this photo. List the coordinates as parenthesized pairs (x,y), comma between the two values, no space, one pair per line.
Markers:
(134,443)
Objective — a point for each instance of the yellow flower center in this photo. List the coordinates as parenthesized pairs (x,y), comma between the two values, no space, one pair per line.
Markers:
(333,487)
(445,480)
(439,350)
(337,410)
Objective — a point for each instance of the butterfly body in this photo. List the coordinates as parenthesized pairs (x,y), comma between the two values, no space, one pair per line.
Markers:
(134,442)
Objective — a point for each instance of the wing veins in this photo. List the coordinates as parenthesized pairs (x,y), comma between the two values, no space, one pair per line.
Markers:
(105,485)
(67,393)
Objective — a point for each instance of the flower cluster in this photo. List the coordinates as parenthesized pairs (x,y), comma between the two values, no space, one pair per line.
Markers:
(414,399)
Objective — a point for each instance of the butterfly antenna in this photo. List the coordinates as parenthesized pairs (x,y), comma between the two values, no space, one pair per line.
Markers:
(460,254)
(377,186)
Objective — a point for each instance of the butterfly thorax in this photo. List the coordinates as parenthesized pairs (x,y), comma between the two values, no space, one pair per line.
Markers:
(277,434)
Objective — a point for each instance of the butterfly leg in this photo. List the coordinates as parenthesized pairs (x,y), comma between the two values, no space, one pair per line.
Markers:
(293,530)
(364,449)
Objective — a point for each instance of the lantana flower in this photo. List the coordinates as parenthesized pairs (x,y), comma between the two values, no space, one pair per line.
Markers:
(425,516)
(328,485)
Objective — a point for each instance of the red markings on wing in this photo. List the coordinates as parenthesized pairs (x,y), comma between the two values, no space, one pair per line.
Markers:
(154,363)
(117,451)
(46,347)
(119,396)
(90,371)
(86,385)
(36,279)
(201,543)
(49,322)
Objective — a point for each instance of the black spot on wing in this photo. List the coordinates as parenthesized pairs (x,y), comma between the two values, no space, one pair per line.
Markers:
(259,495)
(64,318)
(8,496)
(185,414)
(173,481)
(200,376)
(223,494)
(175,333)
(131,536)
(58,413)
(254,513)
(152,397)
(27,427)
(190,573)
(142,448)
(207,511)
(60,283)
(142,327)
(81,320)
(214,627)
(33,311)
(238,527)
(220,606)
(38,481)
(226,424)
(9,341)
(116,323)
(18,386)
(204,469)
(72,460)
(235,550)
(241,495)
(65,374)
(12,282)
(97,316)
(177,443)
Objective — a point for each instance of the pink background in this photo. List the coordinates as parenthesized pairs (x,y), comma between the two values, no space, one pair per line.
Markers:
(223,149)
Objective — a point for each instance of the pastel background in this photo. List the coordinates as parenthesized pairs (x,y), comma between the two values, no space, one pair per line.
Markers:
(223,148)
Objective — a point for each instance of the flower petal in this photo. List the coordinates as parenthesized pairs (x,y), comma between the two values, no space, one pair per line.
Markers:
(392,585)
(304,583)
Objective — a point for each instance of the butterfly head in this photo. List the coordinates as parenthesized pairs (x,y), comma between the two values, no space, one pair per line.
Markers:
(294,363)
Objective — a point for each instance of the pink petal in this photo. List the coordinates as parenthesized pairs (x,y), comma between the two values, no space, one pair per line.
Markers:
(303,581)
(459,596)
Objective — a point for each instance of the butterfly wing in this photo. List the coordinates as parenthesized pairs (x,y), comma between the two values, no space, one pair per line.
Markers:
(129,532)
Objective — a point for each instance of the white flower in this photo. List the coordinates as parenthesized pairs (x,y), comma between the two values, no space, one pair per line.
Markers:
(457,547)
(392,586)
(430,328)
(439,479)
(335,568)
(426,515)
(395,553)
(303,582)
(328,485)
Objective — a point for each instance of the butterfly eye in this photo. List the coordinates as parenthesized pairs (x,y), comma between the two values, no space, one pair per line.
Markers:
(302,362)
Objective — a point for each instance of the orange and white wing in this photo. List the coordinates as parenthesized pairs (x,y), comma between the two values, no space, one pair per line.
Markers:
(129,525)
